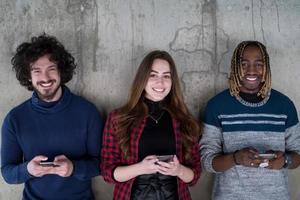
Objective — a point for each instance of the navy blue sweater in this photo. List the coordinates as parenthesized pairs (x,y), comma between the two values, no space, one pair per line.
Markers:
(72,127)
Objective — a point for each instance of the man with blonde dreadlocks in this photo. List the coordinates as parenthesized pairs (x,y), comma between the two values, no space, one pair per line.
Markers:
(251,132)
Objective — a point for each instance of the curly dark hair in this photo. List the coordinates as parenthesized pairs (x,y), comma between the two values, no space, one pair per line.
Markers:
(29,52)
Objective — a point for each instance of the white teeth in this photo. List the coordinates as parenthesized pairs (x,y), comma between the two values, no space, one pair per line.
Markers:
(158,90)
(46,84)
(251,79)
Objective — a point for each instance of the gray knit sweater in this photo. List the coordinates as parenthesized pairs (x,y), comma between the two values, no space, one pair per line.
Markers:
(231,124)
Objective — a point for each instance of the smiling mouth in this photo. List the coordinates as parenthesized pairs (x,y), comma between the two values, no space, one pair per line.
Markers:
(46,85)
(160,90)
(251,78)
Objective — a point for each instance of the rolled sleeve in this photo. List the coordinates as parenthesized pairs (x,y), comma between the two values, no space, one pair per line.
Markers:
(110,153)
(210,146)
(195,164)
(292,138)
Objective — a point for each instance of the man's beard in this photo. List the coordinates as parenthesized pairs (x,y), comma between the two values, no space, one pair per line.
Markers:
(47,94)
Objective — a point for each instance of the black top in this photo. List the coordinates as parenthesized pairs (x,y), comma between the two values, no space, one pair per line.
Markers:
(251,98)
(158,135)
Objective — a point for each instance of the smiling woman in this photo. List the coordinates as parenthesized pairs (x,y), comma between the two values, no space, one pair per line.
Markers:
(153,124)
(159,82)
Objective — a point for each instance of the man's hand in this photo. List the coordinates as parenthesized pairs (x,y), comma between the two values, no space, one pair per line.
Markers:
(64,167)
(278,162)
(248,157)
(35,169)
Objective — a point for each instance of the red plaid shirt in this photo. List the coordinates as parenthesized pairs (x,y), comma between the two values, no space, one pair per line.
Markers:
(112,157)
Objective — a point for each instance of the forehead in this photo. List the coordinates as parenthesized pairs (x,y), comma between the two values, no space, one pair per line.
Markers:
(252,52)
(43,61)
(160,65)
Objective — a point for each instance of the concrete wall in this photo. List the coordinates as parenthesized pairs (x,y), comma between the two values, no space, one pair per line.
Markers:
(110,37)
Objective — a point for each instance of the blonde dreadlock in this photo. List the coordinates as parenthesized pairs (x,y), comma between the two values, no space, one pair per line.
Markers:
(236,73)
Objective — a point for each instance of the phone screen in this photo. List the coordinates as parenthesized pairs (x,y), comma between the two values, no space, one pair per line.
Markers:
(165,158)
(267,155)
(47,164)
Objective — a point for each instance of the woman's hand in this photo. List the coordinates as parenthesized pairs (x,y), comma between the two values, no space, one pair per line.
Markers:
(148,165)
(172,168)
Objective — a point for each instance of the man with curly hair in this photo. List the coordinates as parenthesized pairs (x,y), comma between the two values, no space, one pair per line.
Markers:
(51,142)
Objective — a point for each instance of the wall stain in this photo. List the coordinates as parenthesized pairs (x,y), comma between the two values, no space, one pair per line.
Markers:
(137,30)
(80,8)
(209,7)
(96,39)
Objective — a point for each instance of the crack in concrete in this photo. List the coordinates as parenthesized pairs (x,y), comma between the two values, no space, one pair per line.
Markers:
(226,51)
(198,34)
(277,13)
(252,17)
(262,21)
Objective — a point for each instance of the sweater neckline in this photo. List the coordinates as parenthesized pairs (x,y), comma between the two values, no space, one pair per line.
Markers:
(250,104)
(51,107)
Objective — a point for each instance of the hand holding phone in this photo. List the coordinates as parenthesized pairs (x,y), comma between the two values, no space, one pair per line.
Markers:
(266,156)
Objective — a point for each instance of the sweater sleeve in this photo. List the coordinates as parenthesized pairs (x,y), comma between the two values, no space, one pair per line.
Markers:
(210,146)
(89,167)
(110,154)
(292,132)
(13,168)
(212,139)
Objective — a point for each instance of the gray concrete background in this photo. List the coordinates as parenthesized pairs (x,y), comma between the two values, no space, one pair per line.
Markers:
(110,37)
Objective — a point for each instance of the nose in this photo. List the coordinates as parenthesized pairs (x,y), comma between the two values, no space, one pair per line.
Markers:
(159,80)
(45,76)
(252,69)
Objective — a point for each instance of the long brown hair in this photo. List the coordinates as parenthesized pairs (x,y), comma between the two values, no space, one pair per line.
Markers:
(135,110)
(236,73)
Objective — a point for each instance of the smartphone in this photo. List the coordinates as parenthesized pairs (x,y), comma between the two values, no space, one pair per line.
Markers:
(165,158)
(268,156)
(47,164)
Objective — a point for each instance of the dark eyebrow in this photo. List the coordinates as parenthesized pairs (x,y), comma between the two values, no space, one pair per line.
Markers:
(34,68)
(54,65)
(259,60)
(50,66)
(157,72)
